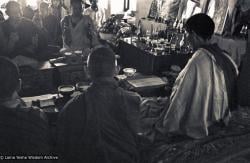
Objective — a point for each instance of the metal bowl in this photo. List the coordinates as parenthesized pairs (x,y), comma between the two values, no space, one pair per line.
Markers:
(106,36)
(82,86)
(66,90)
(129,71)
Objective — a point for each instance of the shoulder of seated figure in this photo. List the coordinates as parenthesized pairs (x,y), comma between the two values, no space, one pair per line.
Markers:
(201,54)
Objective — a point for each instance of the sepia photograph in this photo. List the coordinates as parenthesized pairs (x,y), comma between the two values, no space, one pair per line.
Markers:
(124,81)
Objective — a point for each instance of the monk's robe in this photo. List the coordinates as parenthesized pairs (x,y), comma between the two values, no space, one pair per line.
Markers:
(100,126)
(202,94)
(79,36)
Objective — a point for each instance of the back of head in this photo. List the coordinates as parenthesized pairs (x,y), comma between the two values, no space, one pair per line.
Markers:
(9,77)
(101,63)
(201,24)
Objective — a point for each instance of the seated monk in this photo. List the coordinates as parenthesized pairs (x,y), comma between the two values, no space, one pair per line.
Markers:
(204,91)
(23,130)
(101,124)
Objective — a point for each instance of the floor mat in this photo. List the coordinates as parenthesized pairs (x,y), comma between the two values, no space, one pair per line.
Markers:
(228,144)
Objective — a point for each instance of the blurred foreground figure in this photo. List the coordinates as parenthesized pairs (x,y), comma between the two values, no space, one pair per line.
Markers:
(100,125)
(18,35)
(23,130)
(204,91)
(48,24)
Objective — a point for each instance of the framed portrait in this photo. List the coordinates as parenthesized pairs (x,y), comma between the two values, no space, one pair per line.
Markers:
(218,10)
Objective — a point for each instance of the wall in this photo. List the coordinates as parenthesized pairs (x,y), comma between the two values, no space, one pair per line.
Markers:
(143,8)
